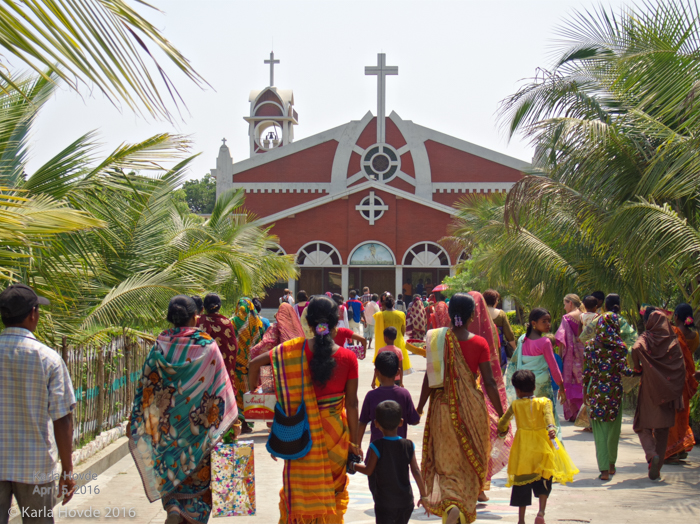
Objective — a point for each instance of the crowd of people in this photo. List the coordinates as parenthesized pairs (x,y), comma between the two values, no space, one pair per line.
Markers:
(478,378)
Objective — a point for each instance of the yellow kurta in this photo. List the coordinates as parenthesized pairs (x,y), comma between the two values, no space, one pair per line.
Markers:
(397,319)
(533,455)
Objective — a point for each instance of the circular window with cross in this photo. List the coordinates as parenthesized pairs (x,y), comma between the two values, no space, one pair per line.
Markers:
(381,162)
(371,208)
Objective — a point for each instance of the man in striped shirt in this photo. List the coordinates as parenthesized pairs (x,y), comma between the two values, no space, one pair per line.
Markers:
(36,395)
(366,297)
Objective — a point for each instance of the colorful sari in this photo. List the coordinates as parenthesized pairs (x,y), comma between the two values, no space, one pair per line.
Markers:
(183,406)
(680,436)
(456,443)
(416,320)
(483,326)
(315,488)
(287,327)
(397,319)
(543,378)
(572,356)
(440,318)
(220,328)
(249,331)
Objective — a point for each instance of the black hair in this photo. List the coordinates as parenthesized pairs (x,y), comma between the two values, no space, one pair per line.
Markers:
(391,333)
(612,303)
(388,414)
(387,364)
(536,314)
(399,297)
(491,297)
(590,302)
(353,293)
(683,312)
(599,295)
(257,304)
(375,297)
(338,298)
(212,303)
(322,310)
(198,302)
(389,302)
(524,380)
(462,305)
(302,296)
(180,310)
(647,313)
(14,321)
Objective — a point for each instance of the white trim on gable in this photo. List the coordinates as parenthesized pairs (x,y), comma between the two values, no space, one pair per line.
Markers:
(351,191)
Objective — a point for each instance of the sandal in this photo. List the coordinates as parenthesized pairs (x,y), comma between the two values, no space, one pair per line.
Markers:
(539,520)
(655,468)
(600,477)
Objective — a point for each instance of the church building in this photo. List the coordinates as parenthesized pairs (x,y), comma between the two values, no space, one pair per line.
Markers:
(365,203)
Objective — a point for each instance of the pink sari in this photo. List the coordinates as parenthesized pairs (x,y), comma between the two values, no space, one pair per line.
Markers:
(572,356)
(482,325)
(287,327)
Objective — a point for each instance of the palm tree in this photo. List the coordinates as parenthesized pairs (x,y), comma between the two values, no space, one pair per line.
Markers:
(612,198)
(101,42)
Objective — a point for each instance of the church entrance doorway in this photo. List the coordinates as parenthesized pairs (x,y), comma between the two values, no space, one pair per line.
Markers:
(318,281)
(377,280)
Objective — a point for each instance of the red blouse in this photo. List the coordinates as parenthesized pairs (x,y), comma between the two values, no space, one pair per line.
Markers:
(343,335)
(345,369)
(475,351)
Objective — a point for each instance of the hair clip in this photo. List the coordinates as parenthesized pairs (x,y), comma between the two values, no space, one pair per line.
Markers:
(689,321)
(458,321)
(322,329)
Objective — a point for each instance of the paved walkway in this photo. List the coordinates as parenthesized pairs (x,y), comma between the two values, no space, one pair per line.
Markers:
(629,498)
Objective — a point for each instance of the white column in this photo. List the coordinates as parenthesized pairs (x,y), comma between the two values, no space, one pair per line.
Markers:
(453,271)
(292,286)
(399,280)
(344,280)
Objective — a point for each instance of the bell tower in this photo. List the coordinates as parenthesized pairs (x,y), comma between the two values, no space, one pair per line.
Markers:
(272,115)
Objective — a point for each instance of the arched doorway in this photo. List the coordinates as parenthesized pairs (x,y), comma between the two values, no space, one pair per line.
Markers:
(425,265)
(373,265)
(320,271)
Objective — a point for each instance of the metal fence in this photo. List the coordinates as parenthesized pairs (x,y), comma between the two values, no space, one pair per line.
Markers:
(105,378)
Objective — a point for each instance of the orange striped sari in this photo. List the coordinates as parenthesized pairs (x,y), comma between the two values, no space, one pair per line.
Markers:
(315,487)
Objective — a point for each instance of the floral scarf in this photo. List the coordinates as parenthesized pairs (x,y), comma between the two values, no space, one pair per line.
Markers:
(416,320)
(607,333)
(220,328)
(441,317)
(249,330)
(183,406)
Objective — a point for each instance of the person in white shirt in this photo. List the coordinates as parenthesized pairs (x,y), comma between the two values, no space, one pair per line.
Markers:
(370,309)
(36,393)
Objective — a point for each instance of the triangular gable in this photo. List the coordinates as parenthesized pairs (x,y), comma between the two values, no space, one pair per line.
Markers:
(350,191)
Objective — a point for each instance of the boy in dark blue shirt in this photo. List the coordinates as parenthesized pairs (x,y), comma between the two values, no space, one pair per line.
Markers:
(387,464)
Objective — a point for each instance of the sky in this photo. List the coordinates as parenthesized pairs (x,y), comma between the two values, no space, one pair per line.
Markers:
(457,61)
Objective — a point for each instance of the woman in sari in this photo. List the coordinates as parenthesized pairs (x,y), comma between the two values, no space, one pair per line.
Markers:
(386,318)
(416,319)
(657,355)
(287,327)
(483,326)
(249,331)
(680,438)
(440,318)
(315,487)
(605,366)
(456,443)
(567,337)
(220,328)
(184,404)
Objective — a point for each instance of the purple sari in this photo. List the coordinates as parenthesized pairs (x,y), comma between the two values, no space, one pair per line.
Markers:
(572,356)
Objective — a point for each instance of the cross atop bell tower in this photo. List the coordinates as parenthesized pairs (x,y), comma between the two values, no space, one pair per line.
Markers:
(381,70)
(272,63)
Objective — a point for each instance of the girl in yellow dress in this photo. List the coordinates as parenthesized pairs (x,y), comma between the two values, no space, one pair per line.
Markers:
(537,457)
(397,319)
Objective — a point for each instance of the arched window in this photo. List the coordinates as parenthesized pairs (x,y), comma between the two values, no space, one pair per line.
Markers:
(371,254)
(426,254)
(318,254)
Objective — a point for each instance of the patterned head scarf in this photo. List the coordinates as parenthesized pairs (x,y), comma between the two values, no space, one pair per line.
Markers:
(288,323)
(416,320)
(607,332)
(483,326)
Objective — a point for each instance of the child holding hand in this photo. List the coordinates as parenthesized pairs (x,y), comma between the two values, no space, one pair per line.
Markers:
(387,464)
(537,457)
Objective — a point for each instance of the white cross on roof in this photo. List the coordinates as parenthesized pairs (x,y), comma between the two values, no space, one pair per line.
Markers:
(381,70)
(272,63)
(374,205)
